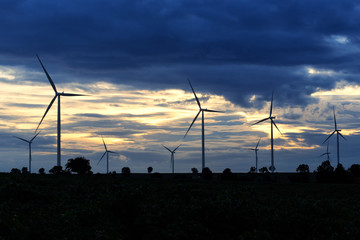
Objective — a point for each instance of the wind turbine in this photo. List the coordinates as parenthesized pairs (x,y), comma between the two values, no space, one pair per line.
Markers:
(29,142)
(172,160)
(256,155)
(271,118)
(201,110)
(327,152)
(57,95)
(337,137)
(107,156)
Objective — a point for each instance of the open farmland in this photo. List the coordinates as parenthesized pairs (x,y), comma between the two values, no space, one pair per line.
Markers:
(114,207)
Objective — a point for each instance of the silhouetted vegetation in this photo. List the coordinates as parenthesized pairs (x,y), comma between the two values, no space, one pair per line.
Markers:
(156,175)
(56,170)
(206,173)
(194,171)
(149,169)
(355,170)
(24,170)
(125,171)
(227,174)
(303,168)
(263,170)
(79,165)
(302,175)
(252,170)
(15,171)
(42,171)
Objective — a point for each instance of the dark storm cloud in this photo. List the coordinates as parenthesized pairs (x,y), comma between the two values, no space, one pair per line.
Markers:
(235,48)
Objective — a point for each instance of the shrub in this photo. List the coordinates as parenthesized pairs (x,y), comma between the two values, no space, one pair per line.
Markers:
(42,171)
(149,169)
(252,170)
(194,171)
(263,170)
(303,168)
(56,170)
(24,170)
(227,174)
(125,171)
(206,173)
(355,170)
(15,171)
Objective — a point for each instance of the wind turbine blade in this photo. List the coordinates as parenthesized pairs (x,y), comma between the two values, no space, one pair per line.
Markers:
(335,119)
(101,158)
(208,110)
(260,121)
(276,126)
(176,148)
(104,143)
(323,154)
(271,105)
(197,100)
(48,108)
(257,143)
(167,148)
(192,123)
(72,94)
(341,135)
(21,139)
(34,137)
(253,149)
(47,75)
(329,136)
(111,152)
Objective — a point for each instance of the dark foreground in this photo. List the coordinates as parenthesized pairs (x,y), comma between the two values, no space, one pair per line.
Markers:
(114,207)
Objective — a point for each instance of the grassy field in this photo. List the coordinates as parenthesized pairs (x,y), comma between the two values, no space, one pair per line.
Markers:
(114,207)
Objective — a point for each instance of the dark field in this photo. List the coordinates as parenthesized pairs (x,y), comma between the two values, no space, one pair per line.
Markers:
(114,207)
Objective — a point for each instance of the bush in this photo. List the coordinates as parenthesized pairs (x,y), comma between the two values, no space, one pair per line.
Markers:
(150,169)
(227,174)
(42,171)
(325,172)
(15,171)
(206,173)
(125,171)
(303,168)
(194,171)
(252,170)
(355,170)
(24,170)
(56,170)
(263,170)
(80,165)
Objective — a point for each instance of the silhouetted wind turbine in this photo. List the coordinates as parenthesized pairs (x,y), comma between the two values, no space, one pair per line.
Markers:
(337,137)
(256,155)
(271,118)
(201,110)
(172,160)
(29,142)
(327,152)
(107,156)
(57,95)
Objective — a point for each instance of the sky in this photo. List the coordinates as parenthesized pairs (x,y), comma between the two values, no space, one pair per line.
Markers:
(133,60)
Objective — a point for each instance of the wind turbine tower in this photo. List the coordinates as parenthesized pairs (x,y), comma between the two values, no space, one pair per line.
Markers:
(172,160)
(256,155)
(29,142)
(337,131)
(272,123)
(201,110)
(57,95)
(107,157)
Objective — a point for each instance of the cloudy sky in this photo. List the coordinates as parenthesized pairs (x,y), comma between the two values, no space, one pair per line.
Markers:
(133,59)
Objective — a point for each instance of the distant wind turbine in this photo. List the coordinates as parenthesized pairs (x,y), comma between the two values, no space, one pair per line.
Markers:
(172,160)
(271,118)
(337,137)
(107,156)
(201,110)
(327,152)
(57,95)
(256,155)
(29,142)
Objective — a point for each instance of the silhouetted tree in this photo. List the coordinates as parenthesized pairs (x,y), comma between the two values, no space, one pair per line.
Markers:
(125,171)
(56,170)
(341,175)
(325,167)
(149,169)
(227,174)
(80,165)
(194,171)
(15,171)
(24,170)
(206,173)
(355,170)
(263,170)
(325,172)
(270,168)
(42,171)
(252,170)
(303,168)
